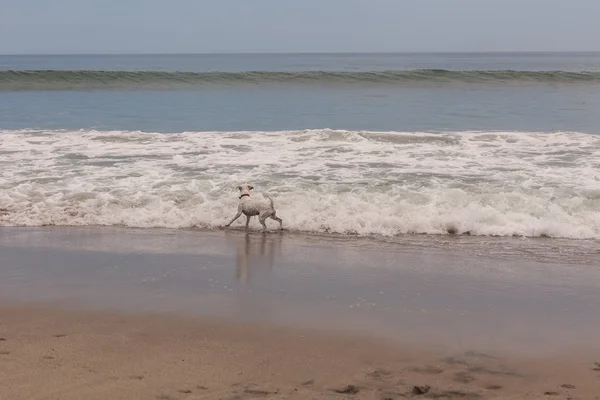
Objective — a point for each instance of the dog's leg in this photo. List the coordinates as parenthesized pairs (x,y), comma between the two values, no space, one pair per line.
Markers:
(239,213)
(262,218)
(276,218)
(247,221)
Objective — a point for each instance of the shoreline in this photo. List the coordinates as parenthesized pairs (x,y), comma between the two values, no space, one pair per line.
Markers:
(531,247)
(465,295)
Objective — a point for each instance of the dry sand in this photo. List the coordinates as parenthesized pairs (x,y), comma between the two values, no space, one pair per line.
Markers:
(49,353)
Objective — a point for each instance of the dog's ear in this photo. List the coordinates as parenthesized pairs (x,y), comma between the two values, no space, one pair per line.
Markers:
(250,187)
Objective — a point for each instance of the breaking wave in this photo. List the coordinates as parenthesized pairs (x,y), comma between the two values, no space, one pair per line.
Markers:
(349,182)
(86,80)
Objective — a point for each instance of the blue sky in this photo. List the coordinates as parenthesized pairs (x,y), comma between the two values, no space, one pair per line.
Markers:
(198,26)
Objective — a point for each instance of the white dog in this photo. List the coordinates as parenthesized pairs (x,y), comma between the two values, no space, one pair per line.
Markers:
(264,208)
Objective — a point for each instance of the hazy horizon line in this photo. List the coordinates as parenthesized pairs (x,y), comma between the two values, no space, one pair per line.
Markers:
(310,53)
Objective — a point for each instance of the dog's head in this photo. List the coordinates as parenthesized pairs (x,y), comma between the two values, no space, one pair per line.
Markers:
(245,190)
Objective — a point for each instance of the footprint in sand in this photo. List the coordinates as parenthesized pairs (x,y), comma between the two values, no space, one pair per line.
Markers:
(428,392)
(420,390)
(378,374)
(567,386)
(455,361)
(477,354)
(350,389)
(455,394)
(464,377)
(428,370)
(254,390)
(500,371)
(257,392)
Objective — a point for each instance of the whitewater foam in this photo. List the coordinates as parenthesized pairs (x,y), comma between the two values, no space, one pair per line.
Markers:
(349,182)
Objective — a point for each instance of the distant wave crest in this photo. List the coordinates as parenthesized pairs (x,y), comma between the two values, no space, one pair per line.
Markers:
(83,80)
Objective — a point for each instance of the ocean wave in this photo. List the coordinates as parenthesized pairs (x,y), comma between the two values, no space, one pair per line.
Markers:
(324,181)
(83,80)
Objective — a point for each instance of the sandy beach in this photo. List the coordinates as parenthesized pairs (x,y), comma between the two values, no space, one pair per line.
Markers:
(53,354)
(108,313)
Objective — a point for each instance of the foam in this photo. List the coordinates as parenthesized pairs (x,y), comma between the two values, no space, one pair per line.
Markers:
(349,182)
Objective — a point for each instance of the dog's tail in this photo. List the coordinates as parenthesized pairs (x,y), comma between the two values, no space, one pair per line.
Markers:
(270,200)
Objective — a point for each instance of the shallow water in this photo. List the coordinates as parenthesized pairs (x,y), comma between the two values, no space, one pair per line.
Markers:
(472,295)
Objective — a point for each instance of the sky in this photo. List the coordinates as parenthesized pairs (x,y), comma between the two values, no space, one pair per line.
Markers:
(232,26)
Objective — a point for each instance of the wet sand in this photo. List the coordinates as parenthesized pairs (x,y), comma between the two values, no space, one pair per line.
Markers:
(54,354)
(121,313)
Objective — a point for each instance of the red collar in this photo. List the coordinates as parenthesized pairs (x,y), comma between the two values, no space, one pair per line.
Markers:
(245,194)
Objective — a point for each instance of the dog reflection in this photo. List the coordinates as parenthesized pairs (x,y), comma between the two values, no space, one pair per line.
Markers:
(255,253)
